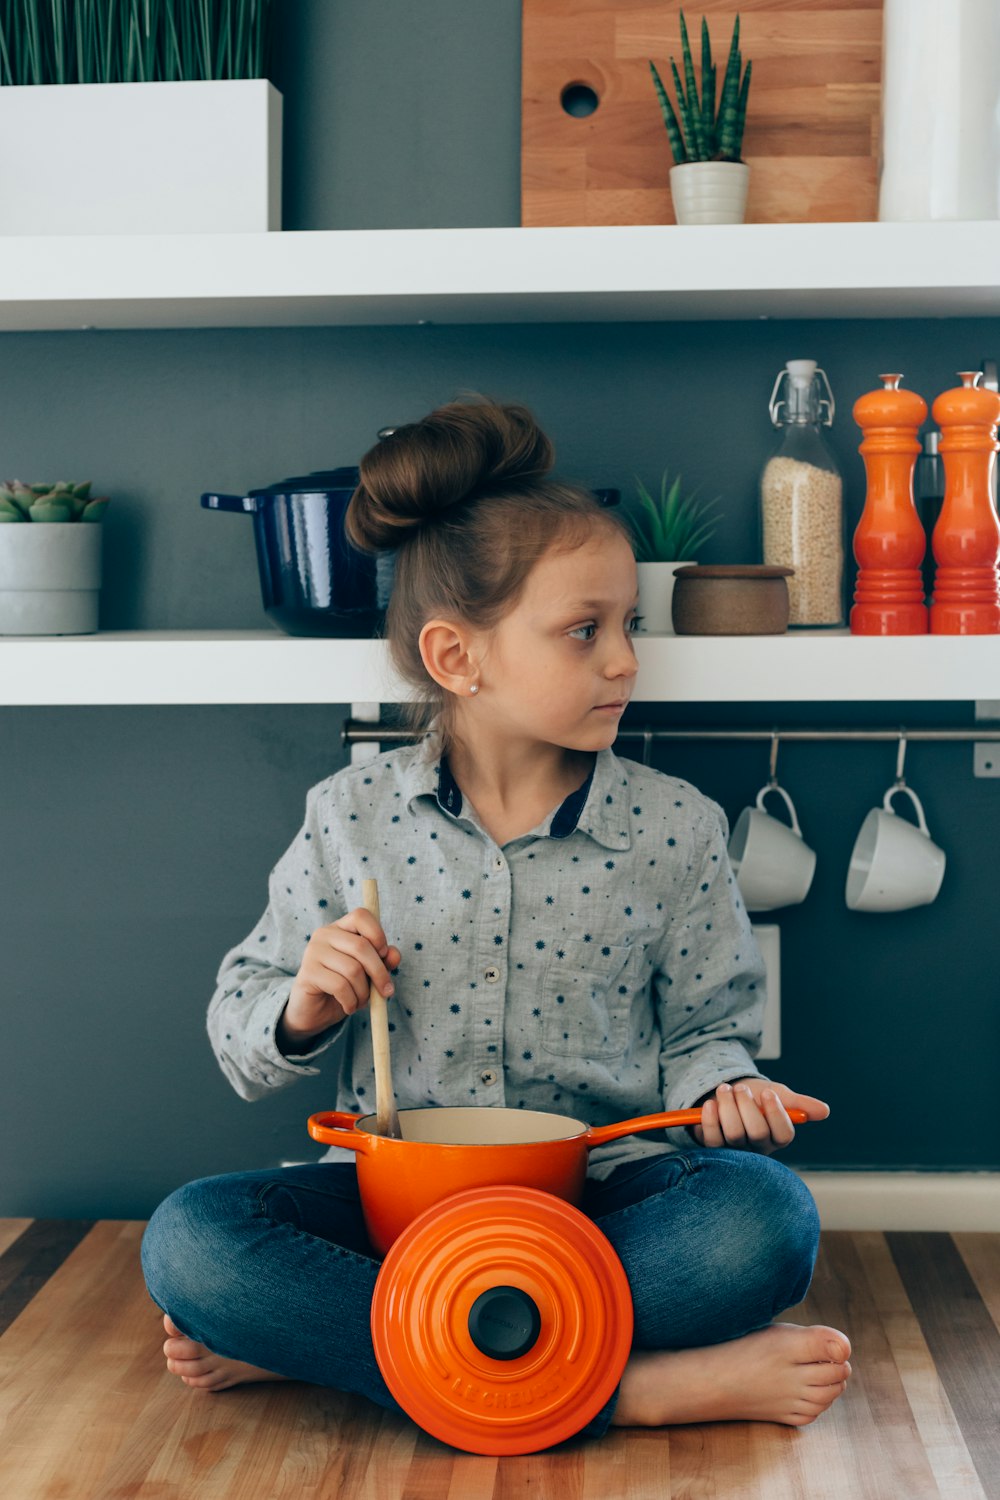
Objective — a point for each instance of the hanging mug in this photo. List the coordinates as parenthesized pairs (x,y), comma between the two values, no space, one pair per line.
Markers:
(772,862)
(895,864)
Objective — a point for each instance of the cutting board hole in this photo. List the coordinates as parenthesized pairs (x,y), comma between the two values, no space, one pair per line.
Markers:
(579,100)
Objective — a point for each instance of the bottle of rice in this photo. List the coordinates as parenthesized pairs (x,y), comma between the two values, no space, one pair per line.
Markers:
(802,499)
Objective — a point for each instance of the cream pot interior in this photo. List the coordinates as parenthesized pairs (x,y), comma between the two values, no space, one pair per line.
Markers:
(466,1126)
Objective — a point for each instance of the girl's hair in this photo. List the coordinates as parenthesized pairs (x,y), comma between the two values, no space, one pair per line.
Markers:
(465,499)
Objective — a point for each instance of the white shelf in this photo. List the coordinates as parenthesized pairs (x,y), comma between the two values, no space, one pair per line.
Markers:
(506,275)
(178,667)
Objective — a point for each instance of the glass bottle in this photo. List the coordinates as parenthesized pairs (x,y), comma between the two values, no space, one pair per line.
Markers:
(802,497)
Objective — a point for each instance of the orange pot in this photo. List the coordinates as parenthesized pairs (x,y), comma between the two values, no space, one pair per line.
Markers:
(447,1151)
(502,1317)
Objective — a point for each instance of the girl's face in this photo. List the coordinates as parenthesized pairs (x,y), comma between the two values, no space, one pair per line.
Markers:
(560,667)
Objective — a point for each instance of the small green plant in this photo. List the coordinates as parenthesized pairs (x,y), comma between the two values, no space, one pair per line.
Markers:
(49,502)
(132,41)
(704,133)
(672,529)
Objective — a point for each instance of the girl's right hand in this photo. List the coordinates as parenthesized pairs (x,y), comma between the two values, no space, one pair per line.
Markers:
(341,962)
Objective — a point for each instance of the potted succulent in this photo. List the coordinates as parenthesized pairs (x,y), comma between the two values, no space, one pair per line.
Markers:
(137,117)
(50,563)
(709,179)
(666,532)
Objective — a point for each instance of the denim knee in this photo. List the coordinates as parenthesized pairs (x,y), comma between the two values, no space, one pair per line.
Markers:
(186,1249)
(779,1232)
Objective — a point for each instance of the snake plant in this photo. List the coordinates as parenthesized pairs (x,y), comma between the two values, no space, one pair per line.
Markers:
(697,129)
(132,41)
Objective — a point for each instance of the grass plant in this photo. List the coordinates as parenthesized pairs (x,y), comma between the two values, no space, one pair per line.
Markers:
(672,528)
(132,41)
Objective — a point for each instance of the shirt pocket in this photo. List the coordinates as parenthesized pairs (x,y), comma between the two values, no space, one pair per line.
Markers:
(587,998)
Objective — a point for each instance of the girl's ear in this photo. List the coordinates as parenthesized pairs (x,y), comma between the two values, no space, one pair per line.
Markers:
(445,647)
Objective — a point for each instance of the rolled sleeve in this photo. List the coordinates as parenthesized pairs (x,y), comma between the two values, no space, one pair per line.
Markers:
(255,978)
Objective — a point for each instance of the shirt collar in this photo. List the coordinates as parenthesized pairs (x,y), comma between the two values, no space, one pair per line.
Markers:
(598,808)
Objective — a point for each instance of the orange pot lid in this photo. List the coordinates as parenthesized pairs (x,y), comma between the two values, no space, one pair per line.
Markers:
(502,1320)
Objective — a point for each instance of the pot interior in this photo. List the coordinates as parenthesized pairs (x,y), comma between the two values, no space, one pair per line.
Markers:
(481,1127)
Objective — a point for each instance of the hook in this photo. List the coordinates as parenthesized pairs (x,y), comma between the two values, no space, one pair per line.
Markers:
(772,779)
(901,757)
(647,745)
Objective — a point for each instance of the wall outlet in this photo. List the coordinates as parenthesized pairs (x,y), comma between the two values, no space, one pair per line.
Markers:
(768,935)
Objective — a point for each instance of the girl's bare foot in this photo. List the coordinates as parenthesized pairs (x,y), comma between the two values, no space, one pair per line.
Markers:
(200,1368)
(785,1373)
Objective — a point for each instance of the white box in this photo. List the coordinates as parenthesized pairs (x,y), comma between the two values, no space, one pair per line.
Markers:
(140,158)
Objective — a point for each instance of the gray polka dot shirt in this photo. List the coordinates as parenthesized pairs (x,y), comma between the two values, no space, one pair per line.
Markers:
(601,966)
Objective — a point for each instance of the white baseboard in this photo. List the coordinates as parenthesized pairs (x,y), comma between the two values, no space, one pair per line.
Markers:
(906,1200)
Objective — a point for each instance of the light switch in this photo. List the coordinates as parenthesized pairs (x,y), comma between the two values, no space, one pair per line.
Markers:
(768,935)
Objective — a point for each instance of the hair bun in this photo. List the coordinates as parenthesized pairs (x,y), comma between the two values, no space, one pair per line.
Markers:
(460,451)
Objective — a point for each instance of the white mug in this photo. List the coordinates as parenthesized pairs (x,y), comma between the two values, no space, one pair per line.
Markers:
(772,862)
(894,864)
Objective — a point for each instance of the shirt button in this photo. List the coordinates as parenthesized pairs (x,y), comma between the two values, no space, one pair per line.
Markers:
(488,1076)
(498,863)
(491,976)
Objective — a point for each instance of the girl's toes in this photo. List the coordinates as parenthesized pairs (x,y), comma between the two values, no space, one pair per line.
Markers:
(189,1367)
(182,1348)
(831,1374)
(838,1347)
(211,1381)
(171,1326)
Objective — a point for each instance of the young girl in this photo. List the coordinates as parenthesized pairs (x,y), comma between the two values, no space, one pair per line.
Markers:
(560,930)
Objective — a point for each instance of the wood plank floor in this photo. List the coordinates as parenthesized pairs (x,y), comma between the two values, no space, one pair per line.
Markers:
(87,1411)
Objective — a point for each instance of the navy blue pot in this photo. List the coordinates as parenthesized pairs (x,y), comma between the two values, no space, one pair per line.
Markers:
(312,580)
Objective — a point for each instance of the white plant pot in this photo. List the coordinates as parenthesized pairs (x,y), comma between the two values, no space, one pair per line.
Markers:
(656,593)
(50,577)
(710,192)
(140,158)
(940,110)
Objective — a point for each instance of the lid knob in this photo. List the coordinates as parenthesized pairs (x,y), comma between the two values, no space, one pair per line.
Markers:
(504,1322)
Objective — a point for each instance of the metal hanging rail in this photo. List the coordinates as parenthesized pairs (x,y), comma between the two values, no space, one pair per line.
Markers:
(356,731)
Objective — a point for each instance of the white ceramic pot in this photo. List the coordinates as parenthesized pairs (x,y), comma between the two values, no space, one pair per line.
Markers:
(656,594)
(50,577)
(710,192)
(940,110)
(140,158)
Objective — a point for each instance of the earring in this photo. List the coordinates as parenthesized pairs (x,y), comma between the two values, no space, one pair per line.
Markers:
(474,688)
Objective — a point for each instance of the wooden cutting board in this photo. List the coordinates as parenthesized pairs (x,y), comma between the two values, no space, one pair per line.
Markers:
(812,134)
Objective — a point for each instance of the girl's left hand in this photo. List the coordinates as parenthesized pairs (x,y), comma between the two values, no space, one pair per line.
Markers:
(752,1115)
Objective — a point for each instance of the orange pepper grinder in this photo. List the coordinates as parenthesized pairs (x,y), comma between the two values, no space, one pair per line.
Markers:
(966,538)
(889,543)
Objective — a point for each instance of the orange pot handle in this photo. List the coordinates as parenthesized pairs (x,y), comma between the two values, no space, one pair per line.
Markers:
(598,1134)
(336,1128)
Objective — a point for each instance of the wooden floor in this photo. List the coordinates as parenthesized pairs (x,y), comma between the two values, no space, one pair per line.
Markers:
(87,1411)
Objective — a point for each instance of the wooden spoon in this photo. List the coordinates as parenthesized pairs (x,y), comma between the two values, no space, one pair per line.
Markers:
(386,1118)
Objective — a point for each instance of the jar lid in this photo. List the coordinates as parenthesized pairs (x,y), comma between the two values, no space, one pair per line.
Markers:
(733,570)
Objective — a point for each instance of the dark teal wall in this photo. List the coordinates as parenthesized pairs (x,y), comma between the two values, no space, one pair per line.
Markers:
(136,843)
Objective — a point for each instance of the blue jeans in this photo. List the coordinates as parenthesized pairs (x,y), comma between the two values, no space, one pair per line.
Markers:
(275,1267)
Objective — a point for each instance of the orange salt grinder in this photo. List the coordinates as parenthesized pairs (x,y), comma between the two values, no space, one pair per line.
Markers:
(966,538)
(889,543)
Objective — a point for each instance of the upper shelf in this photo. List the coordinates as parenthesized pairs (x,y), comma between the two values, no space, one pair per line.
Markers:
(175,667)
(397,276)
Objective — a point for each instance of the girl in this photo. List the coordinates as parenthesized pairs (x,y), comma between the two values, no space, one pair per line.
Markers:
(567,935)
